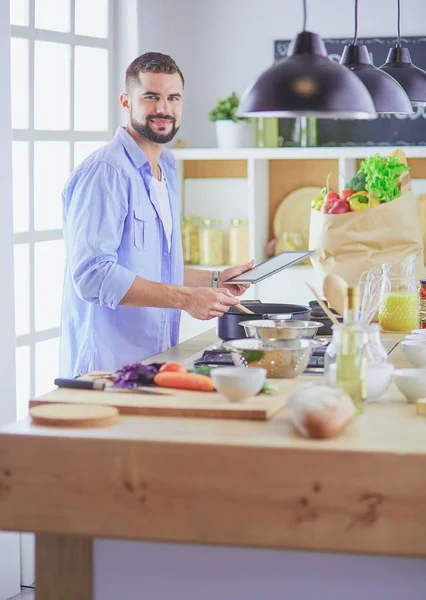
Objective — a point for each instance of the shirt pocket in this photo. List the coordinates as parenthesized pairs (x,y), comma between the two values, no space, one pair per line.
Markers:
(144,227)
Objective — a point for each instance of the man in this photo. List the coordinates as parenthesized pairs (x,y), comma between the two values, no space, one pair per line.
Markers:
(125,283)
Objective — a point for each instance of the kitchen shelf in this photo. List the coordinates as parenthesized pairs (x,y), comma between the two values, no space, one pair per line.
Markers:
(224,183)
(292,153)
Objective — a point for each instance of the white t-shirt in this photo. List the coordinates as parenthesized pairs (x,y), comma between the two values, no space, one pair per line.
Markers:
(164,203)
(166,217)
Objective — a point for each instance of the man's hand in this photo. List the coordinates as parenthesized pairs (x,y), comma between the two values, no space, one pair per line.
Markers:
(237,289)
(207,303)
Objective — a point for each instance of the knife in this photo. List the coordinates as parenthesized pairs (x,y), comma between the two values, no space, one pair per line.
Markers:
(83,384)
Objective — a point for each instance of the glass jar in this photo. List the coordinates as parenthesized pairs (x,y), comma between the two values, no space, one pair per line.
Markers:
(399,303)
(238,242)
(190,240)
(212,243)
(422,304)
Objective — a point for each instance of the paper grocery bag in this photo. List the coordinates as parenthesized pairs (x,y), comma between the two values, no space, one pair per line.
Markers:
(350,243)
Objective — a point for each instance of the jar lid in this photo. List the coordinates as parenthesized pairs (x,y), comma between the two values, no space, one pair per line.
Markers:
(422,281)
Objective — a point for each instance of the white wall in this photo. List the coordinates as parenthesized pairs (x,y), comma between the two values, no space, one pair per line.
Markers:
(221,45)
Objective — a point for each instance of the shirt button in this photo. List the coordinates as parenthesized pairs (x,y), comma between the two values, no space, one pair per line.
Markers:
(164,253)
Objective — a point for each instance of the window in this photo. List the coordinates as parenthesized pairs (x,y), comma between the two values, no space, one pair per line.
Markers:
(61,54)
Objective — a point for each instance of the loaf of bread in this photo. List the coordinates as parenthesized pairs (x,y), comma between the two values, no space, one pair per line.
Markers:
(319,411)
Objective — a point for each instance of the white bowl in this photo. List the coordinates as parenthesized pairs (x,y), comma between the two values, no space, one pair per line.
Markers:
(416,337)
(411,383)
(415,352)
(419,331)
(379,377)
(238,383)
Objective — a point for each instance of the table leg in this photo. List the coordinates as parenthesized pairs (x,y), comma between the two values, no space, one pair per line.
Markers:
(63,567)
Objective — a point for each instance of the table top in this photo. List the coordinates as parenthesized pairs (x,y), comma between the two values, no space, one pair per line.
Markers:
(225,482)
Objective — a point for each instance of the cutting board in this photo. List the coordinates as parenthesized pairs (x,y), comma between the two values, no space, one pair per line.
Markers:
(294,212)
(183,403)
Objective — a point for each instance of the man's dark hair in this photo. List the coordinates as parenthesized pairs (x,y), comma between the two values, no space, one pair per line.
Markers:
(151,62)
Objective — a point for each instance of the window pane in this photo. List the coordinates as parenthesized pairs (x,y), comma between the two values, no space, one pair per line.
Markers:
(49,262)
(46,365)
(21,185)
(53,14)
(52,86)
(22,289)
(83,149)
(91,18)
(51,170)
(19,82)
(19,12)
(91,89)
(23,378)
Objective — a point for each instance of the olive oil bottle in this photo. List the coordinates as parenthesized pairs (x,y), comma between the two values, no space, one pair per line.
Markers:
(351,360)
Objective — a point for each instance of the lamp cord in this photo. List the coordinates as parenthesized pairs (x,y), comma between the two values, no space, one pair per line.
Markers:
(356,23)
(399,22)
(304,15)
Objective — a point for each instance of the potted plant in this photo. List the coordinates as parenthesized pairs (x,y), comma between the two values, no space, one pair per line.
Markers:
(231,131)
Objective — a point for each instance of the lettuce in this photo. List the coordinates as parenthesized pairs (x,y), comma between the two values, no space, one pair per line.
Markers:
(381,176)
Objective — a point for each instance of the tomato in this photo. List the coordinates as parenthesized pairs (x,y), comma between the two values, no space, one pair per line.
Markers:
(344,195)
(172,367)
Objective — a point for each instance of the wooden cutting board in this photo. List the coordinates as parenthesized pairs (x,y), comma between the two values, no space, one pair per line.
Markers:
(183,403)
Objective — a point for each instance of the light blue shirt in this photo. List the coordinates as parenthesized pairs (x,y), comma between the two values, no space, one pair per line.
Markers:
(113,232)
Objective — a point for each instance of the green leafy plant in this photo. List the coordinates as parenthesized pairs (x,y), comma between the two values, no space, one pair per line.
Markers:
(381,176)
(225,110)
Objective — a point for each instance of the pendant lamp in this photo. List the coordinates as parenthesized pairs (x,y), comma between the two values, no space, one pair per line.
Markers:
(388,95)
(398,64)
(306,83)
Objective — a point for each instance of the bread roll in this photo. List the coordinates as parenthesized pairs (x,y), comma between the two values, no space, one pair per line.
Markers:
(319,411)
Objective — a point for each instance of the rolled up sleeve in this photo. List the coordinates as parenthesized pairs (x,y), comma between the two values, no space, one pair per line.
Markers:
(95,209)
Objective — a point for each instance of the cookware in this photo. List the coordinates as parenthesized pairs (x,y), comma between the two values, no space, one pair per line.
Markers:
(281,358)
(280,329)
(319,315)
(227,326)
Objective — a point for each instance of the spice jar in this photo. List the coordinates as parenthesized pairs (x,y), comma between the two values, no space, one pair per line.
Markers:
(212,243)
(238,242)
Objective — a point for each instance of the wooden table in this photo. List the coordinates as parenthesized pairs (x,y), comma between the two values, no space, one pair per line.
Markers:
(202,481)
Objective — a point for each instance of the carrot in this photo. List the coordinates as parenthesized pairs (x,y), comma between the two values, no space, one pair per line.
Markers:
(184,381)
(173,367)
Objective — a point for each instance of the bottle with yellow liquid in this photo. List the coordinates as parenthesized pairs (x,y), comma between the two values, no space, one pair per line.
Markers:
(399,305)
(351,359)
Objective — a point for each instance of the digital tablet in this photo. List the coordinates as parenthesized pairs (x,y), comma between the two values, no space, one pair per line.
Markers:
(270,267)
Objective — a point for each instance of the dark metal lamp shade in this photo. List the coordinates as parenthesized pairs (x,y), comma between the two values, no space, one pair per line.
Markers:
(388,95)
(307,83)
(398,64)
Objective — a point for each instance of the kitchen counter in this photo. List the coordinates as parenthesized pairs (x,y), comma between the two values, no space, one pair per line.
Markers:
(215,482)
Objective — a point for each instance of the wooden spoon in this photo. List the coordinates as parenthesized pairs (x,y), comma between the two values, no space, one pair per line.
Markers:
(243,309)
(334,289)
(327,311)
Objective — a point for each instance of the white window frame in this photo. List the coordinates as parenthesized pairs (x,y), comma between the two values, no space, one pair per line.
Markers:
(32,135)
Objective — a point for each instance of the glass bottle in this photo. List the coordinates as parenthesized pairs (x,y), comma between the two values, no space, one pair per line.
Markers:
(212,243)
(351,363)
(238,242)
(399,304)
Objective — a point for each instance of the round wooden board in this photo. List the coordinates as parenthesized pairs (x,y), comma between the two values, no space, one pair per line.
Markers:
(294,213)
(74,415)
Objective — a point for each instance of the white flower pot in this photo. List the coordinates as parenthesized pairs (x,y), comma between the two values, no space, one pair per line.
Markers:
(231,134)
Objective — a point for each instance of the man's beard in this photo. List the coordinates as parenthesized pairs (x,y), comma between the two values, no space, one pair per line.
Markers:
(146,131)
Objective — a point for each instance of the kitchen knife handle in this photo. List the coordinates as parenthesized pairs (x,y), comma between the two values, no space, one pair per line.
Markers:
(79,384)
